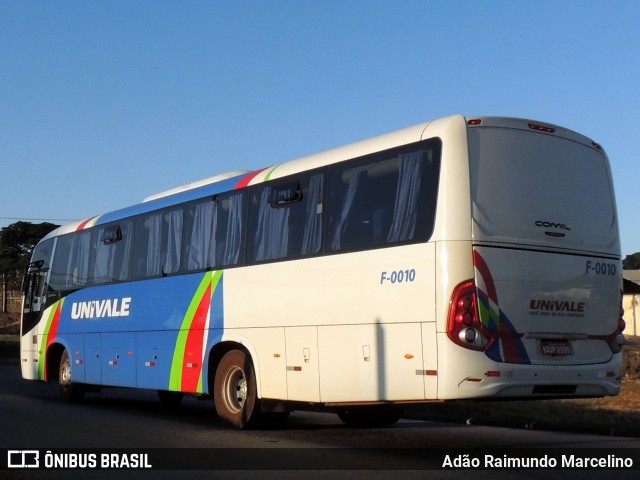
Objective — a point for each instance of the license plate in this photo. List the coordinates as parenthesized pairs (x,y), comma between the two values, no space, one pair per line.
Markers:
(556,347)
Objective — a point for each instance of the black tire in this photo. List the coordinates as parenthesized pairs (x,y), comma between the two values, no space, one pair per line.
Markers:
(370,416)
(70,391)
(170,399)
(234,390)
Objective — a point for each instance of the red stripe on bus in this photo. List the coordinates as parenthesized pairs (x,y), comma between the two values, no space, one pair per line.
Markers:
(245,181)
(84,224)
(53,332)
(194,348)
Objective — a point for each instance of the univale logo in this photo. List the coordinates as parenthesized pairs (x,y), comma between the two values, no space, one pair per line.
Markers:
(115,307)
(556,306)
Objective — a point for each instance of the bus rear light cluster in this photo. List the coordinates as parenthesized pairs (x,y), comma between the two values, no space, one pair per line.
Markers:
(464,327)
(617,339)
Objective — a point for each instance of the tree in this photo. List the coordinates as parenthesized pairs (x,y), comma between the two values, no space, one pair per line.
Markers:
(17,242)
(631,262)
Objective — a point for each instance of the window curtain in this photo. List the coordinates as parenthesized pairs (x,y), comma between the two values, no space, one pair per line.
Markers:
(104,259)
(272,233)
(233,239)
(347,203)
(122,253)
(78,262)
(174,241)
(312,236)
(154,245)
(403,223)
(201,236)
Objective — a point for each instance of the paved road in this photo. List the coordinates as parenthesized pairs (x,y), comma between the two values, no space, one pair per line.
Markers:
(32,417)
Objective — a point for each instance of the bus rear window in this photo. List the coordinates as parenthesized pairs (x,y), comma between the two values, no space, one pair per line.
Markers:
(533,187)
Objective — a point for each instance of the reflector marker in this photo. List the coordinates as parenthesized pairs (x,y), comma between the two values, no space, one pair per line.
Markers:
(541,128)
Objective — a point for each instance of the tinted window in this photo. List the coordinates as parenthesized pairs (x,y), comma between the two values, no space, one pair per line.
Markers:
(286,218)
(71,261)
(158,243)
(112,250)
(539,188)
(384,199)
(216,229)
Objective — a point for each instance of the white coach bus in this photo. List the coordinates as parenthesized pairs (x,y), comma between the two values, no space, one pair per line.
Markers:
(461,258)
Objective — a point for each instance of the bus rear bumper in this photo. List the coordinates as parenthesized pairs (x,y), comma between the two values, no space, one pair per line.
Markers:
(504,380)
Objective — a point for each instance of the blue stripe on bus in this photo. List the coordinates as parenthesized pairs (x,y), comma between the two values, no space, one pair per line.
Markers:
(170,200)
(125,334)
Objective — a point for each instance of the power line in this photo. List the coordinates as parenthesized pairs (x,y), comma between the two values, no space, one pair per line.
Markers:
(40,219)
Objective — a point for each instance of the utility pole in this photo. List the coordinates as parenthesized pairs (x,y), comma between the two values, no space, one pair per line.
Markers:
(4,292)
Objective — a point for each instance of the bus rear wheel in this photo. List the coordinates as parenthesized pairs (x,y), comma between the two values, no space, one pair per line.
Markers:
(69,390)
(234,390)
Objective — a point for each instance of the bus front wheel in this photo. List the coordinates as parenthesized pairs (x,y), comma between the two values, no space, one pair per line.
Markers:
(234,390)
(69,390)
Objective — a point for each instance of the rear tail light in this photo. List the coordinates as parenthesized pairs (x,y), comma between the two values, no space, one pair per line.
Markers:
(464,327)
(617,340)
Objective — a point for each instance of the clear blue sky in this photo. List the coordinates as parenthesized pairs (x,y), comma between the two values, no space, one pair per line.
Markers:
(105,102)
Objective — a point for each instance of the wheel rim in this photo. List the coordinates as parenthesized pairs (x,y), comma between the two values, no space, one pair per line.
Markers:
(235,389)
(65,373)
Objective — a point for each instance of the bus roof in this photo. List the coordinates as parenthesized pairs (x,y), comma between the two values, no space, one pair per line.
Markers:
(241,178)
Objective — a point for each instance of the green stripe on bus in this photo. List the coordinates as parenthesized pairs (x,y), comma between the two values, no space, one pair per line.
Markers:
(268,175)
(175,380)
(45,338)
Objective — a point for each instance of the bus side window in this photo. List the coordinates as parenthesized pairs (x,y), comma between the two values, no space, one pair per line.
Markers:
(216,231)
(383,200)
(357,195)
(112,253)
(70,268)
(229,233)
(286,218)
(157,246)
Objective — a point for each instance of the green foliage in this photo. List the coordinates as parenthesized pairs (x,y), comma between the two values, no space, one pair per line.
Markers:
(631,262)
(17,241)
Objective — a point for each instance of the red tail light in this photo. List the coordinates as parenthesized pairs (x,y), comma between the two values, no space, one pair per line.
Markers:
(617,340)
(464,327)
